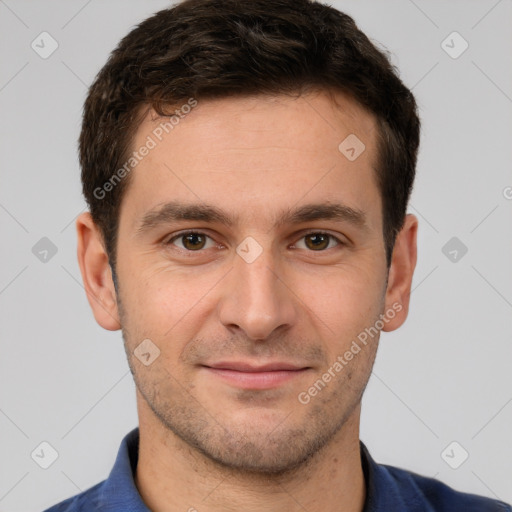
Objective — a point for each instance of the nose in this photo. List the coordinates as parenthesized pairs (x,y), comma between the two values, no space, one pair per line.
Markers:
(256,297)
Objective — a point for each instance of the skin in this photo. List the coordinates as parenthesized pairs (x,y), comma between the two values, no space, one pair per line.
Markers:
(207,444)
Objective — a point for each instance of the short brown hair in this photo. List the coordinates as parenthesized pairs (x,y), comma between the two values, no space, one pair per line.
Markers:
(220,48)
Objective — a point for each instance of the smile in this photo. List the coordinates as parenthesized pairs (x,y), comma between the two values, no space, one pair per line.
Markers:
(256,379)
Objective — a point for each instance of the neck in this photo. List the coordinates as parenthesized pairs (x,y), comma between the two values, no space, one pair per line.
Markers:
(171,475)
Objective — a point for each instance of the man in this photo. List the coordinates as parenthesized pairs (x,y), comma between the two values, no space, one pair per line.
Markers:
(248,167)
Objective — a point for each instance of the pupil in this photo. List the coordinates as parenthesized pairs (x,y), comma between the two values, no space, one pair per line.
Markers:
(192,239)
(318,239)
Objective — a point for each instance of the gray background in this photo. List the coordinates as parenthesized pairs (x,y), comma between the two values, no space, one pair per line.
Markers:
(444,376)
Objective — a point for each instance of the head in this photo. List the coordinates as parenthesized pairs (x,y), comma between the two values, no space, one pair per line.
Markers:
(238,114)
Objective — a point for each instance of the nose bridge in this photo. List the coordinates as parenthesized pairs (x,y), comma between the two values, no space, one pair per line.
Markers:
(255,299)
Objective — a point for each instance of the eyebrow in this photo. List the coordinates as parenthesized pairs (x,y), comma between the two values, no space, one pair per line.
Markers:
(178,211)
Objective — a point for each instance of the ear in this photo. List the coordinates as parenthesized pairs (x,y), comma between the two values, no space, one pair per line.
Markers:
(403,263)
(96,273)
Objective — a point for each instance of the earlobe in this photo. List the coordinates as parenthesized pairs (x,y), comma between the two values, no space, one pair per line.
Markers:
(401,273)
(96,273)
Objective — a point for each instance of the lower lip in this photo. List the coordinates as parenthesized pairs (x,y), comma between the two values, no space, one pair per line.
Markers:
(256,380)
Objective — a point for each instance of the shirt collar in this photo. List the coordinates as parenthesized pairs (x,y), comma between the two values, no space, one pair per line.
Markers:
(383,491)
(120,493)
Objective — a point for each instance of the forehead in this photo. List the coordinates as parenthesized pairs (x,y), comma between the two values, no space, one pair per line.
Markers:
(257,153)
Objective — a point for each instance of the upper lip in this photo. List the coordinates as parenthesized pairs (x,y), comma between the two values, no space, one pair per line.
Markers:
(243,366)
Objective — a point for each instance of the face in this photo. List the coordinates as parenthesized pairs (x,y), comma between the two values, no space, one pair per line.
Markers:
(267,273)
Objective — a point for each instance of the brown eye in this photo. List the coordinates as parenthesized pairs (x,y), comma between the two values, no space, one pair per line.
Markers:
(193,241)
(190,241)
(318,241)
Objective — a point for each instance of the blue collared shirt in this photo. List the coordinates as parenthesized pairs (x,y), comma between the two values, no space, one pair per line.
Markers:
(388,489)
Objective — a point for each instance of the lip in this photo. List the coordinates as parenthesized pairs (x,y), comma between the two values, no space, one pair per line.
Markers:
(248,376)
(242,366)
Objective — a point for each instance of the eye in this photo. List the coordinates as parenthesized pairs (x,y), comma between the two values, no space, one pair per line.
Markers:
(195,241)
(192,241)
(319,241)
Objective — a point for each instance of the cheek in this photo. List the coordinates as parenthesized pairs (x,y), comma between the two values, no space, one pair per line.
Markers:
(347,305)
(166,303)
(344,298)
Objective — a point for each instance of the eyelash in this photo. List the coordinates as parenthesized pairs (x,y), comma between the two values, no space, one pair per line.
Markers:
(313,232)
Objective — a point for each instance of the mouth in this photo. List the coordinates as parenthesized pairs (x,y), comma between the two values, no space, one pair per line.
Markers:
(249,376)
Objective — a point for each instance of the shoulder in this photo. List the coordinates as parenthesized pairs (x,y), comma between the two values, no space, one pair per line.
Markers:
(83,502)
(436,496)
(401,490)
(118,491)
